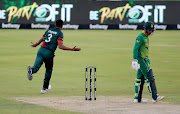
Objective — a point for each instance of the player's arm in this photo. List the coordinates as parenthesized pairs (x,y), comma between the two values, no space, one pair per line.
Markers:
(61,46)
(138,43)
(38,42)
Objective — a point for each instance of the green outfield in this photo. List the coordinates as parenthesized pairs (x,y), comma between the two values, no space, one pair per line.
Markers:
(109,50)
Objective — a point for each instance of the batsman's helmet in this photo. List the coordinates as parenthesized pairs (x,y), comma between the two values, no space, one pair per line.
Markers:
(149,26)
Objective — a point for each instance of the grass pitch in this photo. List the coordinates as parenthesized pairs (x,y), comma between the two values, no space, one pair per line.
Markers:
(109,50)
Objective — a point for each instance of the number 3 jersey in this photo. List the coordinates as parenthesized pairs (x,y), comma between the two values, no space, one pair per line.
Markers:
(51,38)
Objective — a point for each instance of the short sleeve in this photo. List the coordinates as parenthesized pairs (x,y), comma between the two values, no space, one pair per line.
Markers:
(60,37)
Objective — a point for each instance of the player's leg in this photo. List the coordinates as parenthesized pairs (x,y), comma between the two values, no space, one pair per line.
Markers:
(139,86)
(148,74)
(151,80)
(144,67)
(38,62)
(49,67)
(37,65)
(152,85)
(141,89)
(47,76)
(141,77)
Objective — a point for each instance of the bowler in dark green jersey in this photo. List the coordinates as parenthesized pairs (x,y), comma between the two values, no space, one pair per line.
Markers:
(140,55)
(51,39)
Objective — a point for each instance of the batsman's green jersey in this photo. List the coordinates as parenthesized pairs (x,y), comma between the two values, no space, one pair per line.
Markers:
(141,46)
(46,53)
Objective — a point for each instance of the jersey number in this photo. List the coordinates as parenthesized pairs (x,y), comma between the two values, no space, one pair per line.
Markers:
(49,38)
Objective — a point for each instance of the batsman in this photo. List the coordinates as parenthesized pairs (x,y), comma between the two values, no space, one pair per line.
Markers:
(141,64)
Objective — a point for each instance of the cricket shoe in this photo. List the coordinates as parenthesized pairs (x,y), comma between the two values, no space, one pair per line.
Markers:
(46,90)
(159,98)
(142,101)
(29,73)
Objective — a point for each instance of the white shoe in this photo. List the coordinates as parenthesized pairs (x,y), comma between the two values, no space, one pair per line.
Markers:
(49,87)
(46,90)
(142,101)
(159,98)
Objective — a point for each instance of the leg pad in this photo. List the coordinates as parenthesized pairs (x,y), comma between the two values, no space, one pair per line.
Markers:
(152,84)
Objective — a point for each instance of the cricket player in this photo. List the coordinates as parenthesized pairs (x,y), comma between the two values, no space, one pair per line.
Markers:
(51,39)
(141,63)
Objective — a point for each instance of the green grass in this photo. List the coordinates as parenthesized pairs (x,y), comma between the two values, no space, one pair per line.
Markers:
(109,50)
(12,107)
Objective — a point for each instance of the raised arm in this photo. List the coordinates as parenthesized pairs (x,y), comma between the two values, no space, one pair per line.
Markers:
(38,42)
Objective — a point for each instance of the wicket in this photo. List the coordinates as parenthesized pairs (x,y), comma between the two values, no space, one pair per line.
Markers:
(86,96)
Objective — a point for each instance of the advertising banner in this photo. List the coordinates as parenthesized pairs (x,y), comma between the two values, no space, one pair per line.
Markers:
(86,14)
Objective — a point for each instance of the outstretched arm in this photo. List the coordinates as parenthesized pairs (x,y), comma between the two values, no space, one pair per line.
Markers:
(38,42)
(61,46)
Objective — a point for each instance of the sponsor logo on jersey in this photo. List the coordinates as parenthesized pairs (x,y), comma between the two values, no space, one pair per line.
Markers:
(146,45)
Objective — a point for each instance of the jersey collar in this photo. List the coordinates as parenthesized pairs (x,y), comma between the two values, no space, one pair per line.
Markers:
(145,33)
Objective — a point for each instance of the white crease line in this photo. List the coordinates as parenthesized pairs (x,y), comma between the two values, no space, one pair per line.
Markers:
(26,101)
